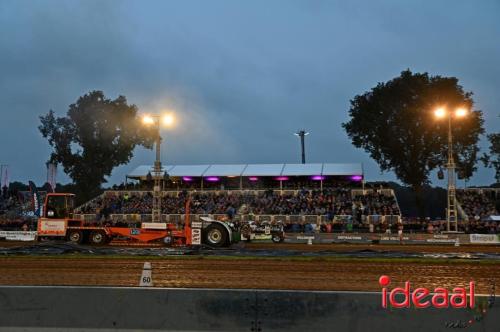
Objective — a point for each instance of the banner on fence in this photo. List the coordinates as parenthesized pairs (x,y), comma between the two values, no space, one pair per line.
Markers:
(484,238)
(18,235)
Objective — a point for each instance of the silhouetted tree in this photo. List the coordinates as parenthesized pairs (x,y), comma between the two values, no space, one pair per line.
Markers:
(395,124)
(492,159)
(95,136)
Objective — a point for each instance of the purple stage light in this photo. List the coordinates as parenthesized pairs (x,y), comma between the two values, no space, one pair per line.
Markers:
(318,178)
(282,178)
(187,178)
(212,179)
(253,178)
(357,177)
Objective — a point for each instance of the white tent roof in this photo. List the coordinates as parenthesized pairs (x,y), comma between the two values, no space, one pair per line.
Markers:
(188,170)
(302,169)
(253,170)
(263,170)
(225,170)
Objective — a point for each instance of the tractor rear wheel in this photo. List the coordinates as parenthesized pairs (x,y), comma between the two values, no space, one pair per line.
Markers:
(75,236)
(216,235)
(97,238)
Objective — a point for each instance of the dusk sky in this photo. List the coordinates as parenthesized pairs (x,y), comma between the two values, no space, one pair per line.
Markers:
(241,76)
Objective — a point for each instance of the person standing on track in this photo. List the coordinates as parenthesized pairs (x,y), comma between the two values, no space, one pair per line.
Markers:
(400,231)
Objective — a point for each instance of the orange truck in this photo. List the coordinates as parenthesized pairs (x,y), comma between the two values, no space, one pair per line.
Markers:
(57,222)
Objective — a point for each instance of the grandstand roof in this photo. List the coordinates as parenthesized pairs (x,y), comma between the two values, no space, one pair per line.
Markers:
(252,170)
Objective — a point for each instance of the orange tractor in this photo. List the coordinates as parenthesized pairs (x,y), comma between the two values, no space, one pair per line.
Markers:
(57,222)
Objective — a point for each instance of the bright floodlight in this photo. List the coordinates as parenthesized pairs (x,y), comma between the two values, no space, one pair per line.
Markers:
(168,119)
(440,112)
(147,120)
(460,112)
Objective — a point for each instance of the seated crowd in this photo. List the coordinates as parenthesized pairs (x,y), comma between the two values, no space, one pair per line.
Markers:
(13,208)
(478,205)
(329,202)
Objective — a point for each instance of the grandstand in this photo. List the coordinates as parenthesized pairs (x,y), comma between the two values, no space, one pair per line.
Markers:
(304,196)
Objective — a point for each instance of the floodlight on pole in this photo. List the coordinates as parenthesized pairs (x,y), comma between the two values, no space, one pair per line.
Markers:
(302,133)
(157,120)
(451,211)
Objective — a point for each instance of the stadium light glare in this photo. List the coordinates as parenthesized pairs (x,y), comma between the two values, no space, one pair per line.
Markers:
(168,120)
(187,178)
(253,178)
(148,120)
(440,112)
(317,178)
(461,112)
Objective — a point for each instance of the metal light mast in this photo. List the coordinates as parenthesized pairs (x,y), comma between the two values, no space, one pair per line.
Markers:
(302,133)
(451,211)
(157,170)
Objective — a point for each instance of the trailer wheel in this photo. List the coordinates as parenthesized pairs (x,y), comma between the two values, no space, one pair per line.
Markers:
(97,237)
(216,235)
(75,236)
(277,238)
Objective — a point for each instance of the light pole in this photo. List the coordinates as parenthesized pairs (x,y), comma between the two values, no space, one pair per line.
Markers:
(4,176)
(155,120)
(451,210)
(302,133)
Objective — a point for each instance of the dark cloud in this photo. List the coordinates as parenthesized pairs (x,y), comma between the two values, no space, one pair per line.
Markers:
(243,76)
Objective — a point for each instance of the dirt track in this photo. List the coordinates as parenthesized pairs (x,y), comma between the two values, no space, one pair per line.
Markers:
(242,273)
(283,273)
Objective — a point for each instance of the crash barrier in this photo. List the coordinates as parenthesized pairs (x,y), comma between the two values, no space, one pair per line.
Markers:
(160,309)
(451,239)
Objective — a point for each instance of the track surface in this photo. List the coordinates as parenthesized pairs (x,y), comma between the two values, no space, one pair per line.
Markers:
(284,273)
(339,247)
(344,247)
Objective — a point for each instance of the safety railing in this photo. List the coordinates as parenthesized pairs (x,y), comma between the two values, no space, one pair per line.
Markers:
(299,219)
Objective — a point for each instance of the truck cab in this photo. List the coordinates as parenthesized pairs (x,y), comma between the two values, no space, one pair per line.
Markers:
(57,215)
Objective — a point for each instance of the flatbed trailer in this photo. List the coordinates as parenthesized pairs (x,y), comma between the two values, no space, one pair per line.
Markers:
(98,235)
(57,222)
